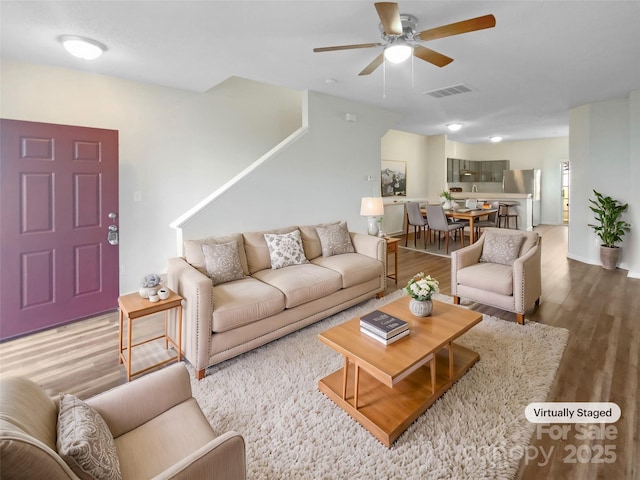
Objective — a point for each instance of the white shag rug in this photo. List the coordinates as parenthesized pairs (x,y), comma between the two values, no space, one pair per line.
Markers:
(476,430)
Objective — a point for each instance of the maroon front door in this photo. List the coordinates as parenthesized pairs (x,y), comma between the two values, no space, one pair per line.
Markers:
(58,199)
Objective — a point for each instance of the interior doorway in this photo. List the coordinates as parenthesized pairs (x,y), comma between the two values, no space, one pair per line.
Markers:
(565,192)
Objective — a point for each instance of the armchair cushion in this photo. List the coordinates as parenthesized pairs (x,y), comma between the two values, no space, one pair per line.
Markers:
(492,277)
(501,248)
(85,442)
(222,262)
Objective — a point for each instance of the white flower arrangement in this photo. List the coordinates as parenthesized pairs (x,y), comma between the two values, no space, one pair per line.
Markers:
(422,287)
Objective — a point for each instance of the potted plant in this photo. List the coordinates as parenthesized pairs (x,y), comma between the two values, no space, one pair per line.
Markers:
(421,288)
(446,199)
(610,228)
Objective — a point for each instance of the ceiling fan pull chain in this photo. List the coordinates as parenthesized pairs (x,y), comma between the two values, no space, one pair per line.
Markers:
(384,78)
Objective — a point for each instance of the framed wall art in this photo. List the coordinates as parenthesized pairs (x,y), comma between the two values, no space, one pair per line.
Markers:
(393,178)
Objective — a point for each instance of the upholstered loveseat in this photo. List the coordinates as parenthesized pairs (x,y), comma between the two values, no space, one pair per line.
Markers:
(226,314)
(149,428)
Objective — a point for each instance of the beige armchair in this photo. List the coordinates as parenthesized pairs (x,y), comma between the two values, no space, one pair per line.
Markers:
(158,428)
(501,269)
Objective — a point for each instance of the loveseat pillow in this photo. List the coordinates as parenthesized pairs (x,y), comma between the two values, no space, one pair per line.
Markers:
(335,239)
(85,442)
(501,248)
(222,262)
(285,249)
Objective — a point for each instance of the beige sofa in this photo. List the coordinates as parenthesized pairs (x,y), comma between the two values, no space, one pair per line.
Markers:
(225,320)
(501,269)
(158,429)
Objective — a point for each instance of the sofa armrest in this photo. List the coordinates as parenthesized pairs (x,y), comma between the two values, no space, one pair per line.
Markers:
(197,291)
(464,257)
(527,278)
(223,458)
(374,247)
(128,406)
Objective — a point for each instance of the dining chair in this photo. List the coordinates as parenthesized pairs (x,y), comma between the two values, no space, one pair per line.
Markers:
(490,222)
(438,223)
(415,218)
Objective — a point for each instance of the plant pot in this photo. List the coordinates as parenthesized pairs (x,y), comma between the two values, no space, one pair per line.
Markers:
(609,257)
(421,308)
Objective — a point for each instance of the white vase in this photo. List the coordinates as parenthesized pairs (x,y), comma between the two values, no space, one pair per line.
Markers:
(421,308)
(446,204)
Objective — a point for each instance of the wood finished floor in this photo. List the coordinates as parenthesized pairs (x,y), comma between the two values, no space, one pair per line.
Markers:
(599,307)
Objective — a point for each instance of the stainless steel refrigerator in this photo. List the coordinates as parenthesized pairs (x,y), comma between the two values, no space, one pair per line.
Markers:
(524,181)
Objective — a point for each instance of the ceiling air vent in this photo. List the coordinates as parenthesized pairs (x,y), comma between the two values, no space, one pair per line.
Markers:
(448,91)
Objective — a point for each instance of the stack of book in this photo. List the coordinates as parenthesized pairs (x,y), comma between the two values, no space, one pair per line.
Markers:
(383,327)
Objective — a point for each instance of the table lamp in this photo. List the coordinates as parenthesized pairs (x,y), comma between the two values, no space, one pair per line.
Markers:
(372,207)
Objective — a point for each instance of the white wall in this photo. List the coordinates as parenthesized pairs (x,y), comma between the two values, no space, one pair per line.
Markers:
(320,177)
(605,156)
(176,147)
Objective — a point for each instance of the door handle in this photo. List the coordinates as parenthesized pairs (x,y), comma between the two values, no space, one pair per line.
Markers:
(112,236)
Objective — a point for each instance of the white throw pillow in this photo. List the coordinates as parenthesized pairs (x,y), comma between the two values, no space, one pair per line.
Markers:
(85,442)
(335,239)
(222,262)
(285,249)
(501,248)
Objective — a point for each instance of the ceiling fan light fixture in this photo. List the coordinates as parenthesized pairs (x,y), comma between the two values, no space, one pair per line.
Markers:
(496,138)
(397,53)
(82,47)
(454,127)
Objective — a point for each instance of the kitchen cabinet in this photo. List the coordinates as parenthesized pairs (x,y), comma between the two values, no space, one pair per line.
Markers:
(459,170)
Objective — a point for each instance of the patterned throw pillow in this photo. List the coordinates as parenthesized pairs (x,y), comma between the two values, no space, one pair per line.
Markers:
(85,442)
(285,249)
(501,248)
(222,262)
(335,239)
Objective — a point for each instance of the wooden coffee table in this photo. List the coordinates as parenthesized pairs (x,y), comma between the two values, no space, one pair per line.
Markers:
(385,388)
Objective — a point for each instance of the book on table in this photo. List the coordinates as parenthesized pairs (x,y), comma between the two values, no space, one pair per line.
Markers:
(385,341)
(383,324)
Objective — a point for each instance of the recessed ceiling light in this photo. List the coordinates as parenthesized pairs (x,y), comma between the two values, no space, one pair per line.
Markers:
(454,127)
(496,138)
(82,47)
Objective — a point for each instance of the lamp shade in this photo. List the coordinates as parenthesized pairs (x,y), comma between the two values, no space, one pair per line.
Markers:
(371,207)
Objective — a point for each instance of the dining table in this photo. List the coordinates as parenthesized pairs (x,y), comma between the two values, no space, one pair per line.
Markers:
(471,215)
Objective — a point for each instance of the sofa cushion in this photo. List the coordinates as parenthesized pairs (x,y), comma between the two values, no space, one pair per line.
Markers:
(85,442)
(194,255)
(311,241)
(335,239)
(353,267)
(242,302)
(501,248)
(493,277)
(222,262)
(302,283)
(257,251)
(285,249)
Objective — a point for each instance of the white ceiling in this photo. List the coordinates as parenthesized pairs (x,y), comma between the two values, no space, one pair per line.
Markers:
(541,59)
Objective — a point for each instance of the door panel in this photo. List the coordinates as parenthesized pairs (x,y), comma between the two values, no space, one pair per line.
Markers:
(58,185)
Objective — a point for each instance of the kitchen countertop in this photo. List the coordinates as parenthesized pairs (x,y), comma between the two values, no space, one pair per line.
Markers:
(489,196)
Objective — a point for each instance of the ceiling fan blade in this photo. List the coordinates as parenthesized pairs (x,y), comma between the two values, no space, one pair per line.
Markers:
(373,65)
(471,25)
(389,17)
(346,47)
(428,55)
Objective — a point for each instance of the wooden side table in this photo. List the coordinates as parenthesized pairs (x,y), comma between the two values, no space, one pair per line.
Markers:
(392,247)
(133,306)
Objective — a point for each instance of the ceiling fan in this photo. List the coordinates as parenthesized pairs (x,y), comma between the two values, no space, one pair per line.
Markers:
(400,37)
